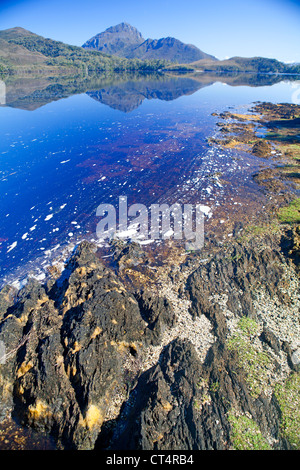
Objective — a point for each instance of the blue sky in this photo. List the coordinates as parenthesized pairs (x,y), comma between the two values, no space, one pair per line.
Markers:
(224,28)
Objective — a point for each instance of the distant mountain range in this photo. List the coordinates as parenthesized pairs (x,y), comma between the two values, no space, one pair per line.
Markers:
(120,48)
(124,40)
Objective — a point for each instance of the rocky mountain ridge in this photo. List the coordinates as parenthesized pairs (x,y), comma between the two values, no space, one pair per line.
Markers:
(124,40)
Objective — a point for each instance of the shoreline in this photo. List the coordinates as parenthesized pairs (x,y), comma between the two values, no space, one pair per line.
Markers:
(209,324)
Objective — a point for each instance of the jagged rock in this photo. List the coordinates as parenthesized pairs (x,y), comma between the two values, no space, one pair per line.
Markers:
(290,244)
(7,295)
(262,148)
(75,348)
(237,273)
(296,357)
(292,356)
(163,415)
(124,40)
(181,404)
(271,340)
(157,312)
(127,254)
(72,345)
(78,335)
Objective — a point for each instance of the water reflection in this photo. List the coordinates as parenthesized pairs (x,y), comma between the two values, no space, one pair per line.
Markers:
(60,162)
(122,92)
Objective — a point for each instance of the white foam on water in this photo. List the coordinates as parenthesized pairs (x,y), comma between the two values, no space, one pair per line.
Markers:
(12,246)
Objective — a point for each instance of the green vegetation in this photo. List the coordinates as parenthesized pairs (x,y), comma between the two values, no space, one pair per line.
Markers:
(291,213)
(180,68)
(291,150)
(255,231)
(260,65)
(59,53)
(47,53)
(3,70)
(288,396)
(23,51)
(254,362)
(214,387)
(246,434)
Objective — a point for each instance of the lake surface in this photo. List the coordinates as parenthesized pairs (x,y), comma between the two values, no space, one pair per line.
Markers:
(67,147)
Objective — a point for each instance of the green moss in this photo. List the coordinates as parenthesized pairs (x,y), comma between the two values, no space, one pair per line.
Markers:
(288,396)
(214,387)
(255,231)
(248,326)
(246,434)
(254,362)
(291,213)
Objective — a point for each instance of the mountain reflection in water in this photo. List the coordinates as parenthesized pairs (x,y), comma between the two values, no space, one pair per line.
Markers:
(114,135)
(122,92)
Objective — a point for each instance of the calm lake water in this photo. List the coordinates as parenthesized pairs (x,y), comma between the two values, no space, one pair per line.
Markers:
(65,148)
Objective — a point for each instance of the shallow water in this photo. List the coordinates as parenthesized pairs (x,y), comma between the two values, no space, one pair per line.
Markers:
(66,149)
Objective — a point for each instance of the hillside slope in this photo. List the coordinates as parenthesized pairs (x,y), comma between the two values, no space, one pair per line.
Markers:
(20,47)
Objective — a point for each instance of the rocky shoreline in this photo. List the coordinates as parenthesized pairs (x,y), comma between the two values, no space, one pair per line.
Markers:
(199,352)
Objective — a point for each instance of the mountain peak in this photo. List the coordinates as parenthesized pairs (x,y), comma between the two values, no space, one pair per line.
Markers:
(15,32)
(123,27)
(116,40)
(124,40)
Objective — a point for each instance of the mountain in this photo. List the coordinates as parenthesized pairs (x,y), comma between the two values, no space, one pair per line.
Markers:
(22,50)
(261,65)
(118,40)
(123,40)
(18,55)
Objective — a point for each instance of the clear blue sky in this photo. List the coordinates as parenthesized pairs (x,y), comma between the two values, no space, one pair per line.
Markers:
(224,28)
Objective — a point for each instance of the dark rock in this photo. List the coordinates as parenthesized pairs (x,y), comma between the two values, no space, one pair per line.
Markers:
(75,344)
(78,336)
(7,295)
(271,340)
(157,312)
(127,253)
(261,148)
(181,404)
(293,364)
(290,245)
(237,273)
(163,415)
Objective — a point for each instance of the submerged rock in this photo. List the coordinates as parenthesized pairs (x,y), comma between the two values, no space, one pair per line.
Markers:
(262,148)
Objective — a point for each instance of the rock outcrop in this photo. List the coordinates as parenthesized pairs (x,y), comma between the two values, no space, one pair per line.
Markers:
(74,366)
(67,345)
